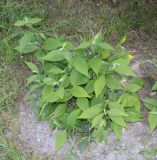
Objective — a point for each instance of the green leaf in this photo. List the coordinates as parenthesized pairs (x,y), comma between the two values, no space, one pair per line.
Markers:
(125,70)
(133,88)
(34,78)
(26,45)
(83,103)
(118,120)
(91,112)
(97,120)
(119,60)
(130,101)
(123,39)
(105,46)
(34,20)
(65,80)
(117,111)
(67,97)
(155,86)
(84,45)
(72,118)
(99,85)
(53,56)
(113,105)
(97,38)
(49,95)
(52,44)
(78,91)
(61,140)
(121,66)
(20,23)
(90,87)
(113,83)
(134,85)
(76,78)
(56,70)
(83,144)
(133,115)
(67,55)
(68,45)
(26,21)
(105,54)
(96,100)
(80,65)
(150,102)
(60,109)
(117,130)
(32,67)
(152,118)
(95,64)
(100,133)
(34,87)
(61,92)
(48,81)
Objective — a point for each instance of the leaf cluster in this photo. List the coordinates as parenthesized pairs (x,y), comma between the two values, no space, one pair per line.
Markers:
(82,88)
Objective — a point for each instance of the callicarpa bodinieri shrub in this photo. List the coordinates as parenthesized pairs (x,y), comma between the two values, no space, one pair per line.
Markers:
(81,89)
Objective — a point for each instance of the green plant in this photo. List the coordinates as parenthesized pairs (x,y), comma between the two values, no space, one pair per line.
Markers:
(81,88)
(151,105)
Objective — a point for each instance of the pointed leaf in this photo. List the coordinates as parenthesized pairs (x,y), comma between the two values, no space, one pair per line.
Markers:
(53,56)
(34,20)
(51,44)
(34,78)
(61,140)
(105,46)
(97,38)
(99,85)
(60,109)
(83,103)
(56,70)
(84,45)
(76,78)
(150,102)
(95,64)
(72,118)
(80,65)
(20,23)
(133,115)
(113,83)
(32,67)
(61,92)
(105,54)
(118,120)
(121,66)
(134,85)
(26,45)
(155,86)
(117,111)
(51,97)
(152,118)
(91,112)
(117,130)
(97,120)
(90,87)
(78,91)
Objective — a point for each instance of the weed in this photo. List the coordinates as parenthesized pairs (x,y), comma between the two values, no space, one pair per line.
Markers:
(81,87)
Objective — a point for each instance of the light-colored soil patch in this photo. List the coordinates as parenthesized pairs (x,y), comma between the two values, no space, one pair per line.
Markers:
(41,139)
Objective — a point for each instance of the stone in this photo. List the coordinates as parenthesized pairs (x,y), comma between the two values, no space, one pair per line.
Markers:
(41,139)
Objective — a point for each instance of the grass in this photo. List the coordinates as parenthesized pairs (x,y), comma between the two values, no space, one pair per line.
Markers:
(72,18)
